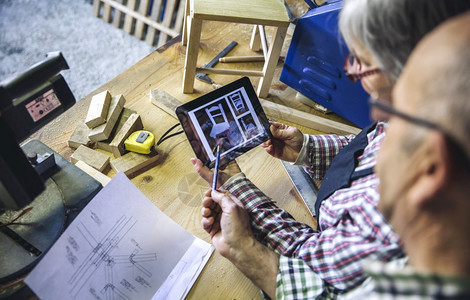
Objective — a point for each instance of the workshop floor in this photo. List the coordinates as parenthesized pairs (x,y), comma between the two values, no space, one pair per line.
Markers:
(95,51)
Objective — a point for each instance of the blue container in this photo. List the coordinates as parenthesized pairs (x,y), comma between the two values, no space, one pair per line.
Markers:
(314,65)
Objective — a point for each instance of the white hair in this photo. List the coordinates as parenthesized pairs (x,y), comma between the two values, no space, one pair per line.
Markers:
(390,29)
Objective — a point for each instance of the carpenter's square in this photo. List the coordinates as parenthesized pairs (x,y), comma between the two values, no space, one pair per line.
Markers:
(213,62)
(304,185)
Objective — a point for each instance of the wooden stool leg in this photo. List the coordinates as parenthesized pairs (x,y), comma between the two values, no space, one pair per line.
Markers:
(191,55)
(184,35)
(255,42)
(271,61)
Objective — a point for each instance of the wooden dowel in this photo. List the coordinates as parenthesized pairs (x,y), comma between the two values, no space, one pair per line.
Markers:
(229,72)
(235,59)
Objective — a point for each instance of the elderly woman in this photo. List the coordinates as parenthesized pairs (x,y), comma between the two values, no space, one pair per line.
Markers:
(289,259)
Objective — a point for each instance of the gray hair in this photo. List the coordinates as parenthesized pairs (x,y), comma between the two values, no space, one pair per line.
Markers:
(390,29)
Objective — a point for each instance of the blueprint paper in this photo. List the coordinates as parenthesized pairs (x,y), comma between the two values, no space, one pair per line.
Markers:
(121,246)
(183,276)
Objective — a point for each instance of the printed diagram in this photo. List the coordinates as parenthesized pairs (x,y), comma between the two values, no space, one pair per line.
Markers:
(106,263)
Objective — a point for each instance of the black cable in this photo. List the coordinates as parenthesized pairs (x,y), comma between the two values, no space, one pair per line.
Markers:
(165,136)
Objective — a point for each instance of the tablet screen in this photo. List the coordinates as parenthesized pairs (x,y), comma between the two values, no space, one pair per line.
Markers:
(230,116)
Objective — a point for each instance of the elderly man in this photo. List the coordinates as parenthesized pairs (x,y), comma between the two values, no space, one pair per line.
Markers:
(424,168)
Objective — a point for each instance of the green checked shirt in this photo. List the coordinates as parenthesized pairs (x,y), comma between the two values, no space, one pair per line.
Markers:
(393,281)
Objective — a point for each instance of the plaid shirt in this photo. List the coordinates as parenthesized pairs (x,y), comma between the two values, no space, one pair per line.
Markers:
(392,281)
(351,227)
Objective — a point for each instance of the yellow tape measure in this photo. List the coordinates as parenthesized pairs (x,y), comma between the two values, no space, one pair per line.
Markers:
(140,142)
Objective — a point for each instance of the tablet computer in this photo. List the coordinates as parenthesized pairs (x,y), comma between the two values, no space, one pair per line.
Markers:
(230,116)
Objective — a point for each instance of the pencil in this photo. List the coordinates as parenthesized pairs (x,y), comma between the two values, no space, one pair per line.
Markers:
(216,169)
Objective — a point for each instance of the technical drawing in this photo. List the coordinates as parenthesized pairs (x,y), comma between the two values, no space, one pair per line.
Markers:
(102,260)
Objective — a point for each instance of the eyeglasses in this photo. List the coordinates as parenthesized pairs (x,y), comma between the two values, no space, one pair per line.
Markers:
(353,68)
(374,102)
(458,151)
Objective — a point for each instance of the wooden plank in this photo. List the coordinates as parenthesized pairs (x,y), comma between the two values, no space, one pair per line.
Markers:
(96,159)
(97,175)
(117,15)
(103,131)
(154,16)
(129,19)
(133,123)
(180,16)
(96,8)
(79,136)
(106,13)
(139,26)
(165,101)
(98,109)
(282,112)
(133,163)
(168,16)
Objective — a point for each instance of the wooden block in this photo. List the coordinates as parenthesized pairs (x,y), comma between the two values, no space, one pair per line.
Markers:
(96,159)
(79,136)
(102,132)
(98,109)
(133,123)
(131,163)
(165,101)
(98,176)
(105,145)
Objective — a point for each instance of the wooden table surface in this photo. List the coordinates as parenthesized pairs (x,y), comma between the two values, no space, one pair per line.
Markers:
(172,185)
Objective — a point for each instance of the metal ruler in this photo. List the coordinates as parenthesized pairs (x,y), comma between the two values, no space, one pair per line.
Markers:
(304,185)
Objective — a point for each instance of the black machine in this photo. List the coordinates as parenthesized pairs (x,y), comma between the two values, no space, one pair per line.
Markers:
(40,191)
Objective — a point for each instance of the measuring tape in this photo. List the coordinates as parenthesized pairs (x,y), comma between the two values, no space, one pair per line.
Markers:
(140,142)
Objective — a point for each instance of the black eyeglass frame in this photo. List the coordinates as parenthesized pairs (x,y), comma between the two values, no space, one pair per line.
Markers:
(455,146)
(354,77)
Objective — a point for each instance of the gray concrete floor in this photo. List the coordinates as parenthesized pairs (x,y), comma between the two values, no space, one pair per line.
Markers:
(95,51)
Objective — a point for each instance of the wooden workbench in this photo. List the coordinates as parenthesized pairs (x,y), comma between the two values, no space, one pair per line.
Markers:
(172,185)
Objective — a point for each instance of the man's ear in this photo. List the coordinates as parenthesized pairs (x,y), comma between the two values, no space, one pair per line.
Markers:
(433,168)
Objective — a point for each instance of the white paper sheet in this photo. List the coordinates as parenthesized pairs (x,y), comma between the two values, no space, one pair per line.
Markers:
(120,246)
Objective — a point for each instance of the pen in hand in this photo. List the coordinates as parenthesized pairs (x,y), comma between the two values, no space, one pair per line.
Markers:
(216,169)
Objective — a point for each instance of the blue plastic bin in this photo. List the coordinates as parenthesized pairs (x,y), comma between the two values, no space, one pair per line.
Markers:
(314,65)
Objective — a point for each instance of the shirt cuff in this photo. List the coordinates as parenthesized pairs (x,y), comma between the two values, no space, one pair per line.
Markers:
(295,280)
(231,180)
(302,159)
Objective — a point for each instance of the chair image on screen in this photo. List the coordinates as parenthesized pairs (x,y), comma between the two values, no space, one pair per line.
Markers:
(250,129)
(237,102)
(220,124)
